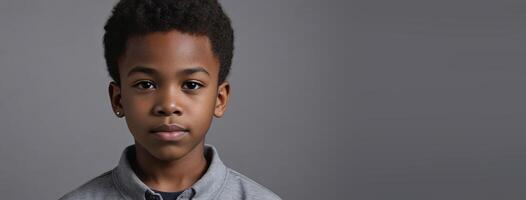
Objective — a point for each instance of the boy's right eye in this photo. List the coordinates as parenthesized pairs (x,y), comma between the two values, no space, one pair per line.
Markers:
(144,85)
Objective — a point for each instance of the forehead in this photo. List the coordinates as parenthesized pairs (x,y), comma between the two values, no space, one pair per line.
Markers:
(168,52)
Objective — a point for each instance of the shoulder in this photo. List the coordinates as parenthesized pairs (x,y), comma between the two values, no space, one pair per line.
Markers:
(100,187)
(239,186)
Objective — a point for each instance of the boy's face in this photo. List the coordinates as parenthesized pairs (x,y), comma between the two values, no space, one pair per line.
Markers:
(169,78)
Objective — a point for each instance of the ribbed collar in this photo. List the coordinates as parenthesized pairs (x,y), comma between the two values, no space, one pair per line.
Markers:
(207,187)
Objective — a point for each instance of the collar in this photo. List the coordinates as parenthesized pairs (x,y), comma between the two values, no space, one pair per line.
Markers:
(207,187)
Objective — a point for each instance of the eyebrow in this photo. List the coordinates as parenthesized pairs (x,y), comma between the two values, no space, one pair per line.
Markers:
(189,71)
(151,71)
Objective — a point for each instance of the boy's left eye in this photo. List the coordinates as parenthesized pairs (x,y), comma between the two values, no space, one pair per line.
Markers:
(191,85)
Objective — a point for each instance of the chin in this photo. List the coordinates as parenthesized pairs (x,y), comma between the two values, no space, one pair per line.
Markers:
(168,152)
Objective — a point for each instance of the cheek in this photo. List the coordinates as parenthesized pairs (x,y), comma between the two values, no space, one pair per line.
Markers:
(206,103)
(136,106)
(199,110)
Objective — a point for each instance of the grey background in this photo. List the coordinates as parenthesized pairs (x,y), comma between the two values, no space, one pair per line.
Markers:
(331,99)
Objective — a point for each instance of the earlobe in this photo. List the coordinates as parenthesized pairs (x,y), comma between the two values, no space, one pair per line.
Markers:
(114,91)
(223,95)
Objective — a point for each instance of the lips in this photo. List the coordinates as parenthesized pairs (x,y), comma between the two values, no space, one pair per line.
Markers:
(168,128)
(169,132)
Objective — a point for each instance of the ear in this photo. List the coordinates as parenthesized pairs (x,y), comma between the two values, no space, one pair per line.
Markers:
(114,91)
(223,93)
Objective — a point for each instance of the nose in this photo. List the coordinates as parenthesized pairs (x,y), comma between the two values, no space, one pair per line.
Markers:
(167,103)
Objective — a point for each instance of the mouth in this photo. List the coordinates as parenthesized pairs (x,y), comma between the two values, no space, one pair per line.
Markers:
(169,132)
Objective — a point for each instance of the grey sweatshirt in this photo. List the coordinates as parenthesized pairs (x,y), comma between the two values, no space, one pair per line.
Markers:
(219,182)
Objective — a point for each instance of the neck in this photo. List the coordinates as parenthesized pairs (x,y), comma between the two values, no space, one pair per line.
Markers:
(170,175)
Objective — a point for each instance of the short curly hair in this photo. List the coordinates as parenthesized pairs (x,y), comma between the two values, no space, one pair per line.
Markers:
(196,17)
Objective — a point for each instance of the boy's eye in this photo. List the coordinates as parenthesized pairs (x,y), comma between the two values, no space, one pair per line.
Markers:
(145,85)
(191,85)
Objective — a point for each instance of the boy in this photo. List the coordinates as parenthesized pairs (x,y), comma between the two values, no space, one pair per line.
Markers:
(169,60)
